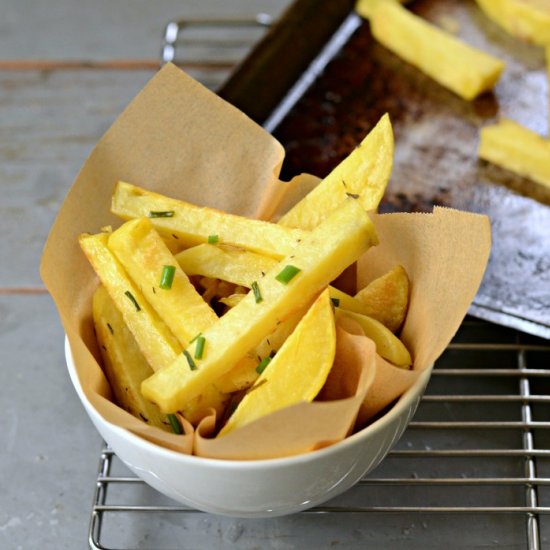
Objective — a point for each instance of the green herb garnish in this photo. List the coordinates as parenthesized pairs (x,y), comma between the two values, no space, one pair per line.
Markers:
(199,347)
(213,239)
(167,277)
(335,302)
(133,300)
(257,293)
(161,214)
(287,274)
(190,361)
(263,364)
(175,423)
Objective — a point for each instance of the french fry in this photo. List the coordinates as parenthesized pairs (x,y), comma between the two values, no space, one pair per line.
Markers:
(145,257)
(528,20)
(234,265)
(461,68)
(124,364)
(154,339)
(518,149)
(193,225)
(298,371)
(387,344)
(386,299)
(363,174)
(320,257)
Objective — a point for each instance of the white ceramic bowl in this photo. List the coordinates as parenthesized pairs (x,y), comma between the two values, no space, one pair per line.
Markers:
(260,488)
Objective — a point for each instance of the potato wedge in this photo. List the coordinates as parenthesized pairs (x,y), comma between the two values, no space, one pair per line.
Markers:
(124,364)
(363,174)
(142,252)
(387,344)
(297,372)
(320,257)
(386,299)
(517,149)
(459,67)
(154,339)
(193,225)
(528,20)
(234,265)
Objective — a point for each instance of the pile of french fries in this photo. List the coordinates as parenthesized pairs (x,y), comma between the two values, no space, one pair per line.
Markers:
(199,310)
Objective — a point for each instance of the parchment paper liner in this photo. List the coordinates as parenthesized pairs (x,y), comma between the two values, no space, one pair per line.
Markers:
(178,138)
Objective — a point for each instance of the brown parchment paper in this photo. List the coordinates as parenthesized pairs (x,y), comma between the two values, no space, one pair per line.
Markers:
(179,139)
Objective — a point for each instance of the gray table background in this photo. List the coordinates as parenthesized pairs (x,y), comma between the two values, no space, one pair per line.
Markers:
(51,114)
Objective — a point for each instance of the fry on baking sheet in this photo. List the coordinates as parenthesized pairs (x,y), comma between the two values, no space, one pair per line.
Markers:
(465,70)
(518,149)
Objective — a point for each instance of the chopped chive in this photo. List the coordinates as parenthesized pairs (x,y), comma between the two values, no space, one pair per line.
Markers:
(287,274)
(213,239)
(335,301)
(192,365)
(161,214)
(133,300)
(175,423)
(195,337)
(199,347)
(110,328)
(167,277)
(257,293)
(263,364)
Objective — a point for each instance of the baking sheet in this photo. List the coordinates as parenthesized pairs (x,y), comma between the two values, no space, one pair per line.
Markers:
(344,94)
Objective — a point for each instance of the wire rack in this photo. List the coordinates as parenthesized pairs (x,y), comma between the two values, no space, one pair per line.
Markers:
(472,469)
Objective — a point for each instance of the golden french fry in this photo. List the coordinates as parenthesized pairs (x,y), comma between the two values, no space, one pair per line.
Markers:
(365,7)
(153,268)
(234,265)
(124,364)
(320,257)
(461,68)
(528,20)
(297,372)
(363,174)
(387,344)
(194,225)
(154,339)
(518,149)
(386,299)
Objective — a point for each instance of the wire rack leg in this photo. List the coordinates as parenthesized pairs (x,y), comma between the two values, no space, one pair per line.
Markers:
(533,538)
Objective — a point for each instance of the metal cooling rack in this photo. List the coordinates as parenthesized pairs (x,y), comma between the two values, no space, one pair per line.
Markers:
(209,48)
(473,467)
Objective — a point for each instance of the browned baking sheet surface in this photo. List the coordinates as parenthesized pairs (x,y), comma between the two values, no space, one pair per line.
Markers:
(436,148)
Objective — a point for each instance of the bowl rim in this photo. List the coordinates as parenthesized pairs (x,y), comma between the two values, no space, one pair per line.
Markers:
(404,401)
